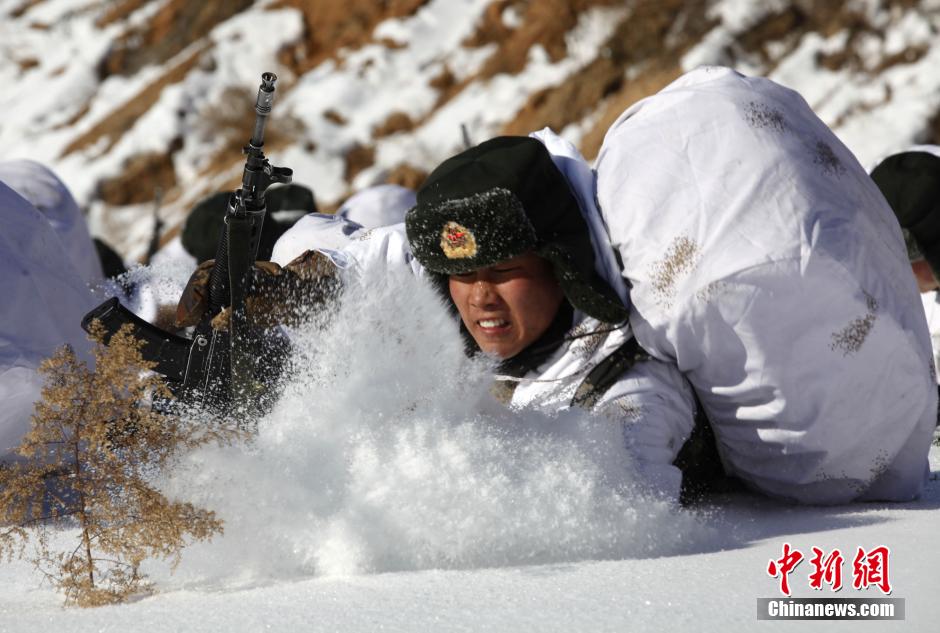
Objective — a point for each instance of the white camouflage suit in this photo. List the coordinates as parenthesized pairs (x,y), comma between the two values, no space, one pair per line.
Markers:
(47,261)
(764,264)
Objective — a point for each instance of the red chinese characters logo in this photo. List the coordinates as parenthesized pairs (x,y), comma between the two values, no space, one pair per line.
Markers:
(783,566)
(826,570)
(869,569)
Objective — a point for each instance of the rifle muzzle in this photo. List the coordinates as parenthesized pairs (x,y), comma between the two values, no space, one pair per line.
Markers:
(263,107)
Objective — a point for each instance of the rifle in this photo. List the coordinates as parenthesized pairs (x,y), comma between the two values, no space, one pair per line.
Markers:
(221,371)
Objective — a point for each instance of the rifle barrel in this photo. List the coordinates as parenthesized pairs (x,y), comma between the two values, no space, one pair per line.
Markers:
(263,107)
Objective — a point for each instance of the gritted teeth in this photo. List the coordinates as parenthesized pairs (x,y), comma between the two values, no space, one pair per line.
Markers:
(493,323)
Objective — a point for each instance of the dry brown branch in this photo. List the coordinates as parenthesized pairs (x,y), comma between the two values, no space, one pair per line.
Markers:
(92,454)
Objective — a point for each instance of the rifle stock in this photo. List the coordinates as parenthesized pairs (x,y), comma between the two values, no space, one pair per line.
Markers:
(169,351)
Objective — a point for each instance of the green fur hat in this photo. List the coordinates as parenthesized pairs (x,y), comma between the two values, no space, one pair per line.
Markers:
(285,204)
(500,199)
(910,182)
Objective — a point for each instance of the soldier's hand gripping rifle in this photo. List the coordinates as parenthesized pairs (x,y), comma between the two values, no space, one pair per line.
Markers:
(219,368)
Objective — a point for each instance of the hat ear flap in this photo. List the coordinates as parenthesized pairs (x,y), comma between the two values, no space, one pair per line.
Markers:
(586,292)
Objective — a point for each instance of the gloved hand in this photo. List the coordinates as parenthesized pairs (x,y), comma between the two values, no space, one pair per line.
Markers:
(275,295)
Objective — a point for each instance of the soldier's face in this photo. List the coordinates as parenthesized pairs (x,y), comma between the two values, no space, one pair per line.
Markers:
(926,281)
(508,306)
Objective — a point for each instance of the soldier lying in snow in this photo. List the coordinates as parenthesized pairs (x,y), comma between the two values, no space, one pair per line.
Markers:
(749,269)
(910,182)
(47,260)
(766,265)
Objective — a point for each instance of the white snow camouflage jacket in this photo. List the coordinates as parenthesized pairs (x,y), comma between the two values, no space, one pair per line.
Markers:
(43,285)
(931,303)
(765,264)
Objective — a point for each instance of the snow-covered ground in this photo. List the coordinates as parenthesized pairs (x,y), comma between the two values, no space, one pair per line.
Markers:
(386,491)
(712,589)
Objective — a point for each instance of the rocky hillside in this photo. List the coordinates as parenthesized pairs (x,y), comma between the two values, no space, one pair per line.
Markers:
(146,104)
